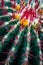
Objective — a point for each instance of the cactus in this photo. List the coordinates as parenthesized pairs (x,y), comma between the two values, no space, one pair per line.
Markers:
(21,32)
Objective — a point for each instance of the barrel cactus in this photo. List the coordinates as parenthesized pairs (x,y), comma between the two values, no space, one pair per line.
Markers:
(21,32)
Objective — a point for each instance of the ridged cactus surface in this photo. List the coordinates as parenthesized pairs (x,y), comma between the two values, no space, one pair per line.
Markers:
(21,32)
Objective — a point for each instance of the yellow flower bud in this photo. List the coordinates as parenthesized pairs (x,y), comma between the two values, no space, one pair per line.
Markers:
(36,26)
(17,16)
(17,7)
(24,22)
